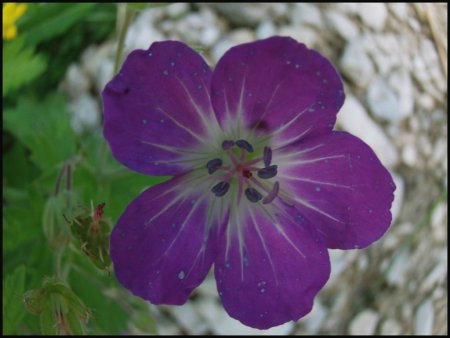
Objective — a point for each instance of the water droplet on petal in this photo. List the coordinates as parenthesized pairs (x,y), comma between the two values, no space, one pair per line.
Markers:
(165,72)
(317,188)
(181,275)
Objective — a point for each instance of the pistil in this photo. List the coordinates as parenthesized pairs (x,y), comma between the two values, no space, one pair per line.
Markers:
(243,170)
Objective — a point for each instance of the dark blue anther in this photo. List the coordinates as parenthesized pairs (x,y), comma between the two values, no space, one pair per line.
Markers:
(220,188)
(268,172)
(253,195)
(227,144)
(213,165)
(245,145)
(267,156)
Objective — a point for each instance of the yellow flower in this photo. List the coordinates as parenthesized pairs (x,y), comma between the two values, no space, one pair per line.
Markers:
(11,12)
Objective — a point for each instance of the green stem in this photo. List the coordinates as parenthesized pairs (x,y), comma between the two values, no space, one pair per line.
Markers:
(122,34)
(58,259)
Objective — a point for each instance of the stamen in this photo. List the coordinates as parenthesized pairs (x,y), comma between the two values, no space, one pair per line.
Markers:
(243,144)
(274,193)
(220,188)
(227,144)
(253,195)
(267,156)
(213,165)
(268,172)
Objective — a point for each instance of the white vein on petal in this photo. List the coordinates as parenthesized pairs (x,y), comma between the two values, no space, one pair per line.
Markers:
(206,119)
(183,127)
(281,156)
(266,108)
(281,231)
(318,210)
(308,180)
(309,161)
(263,242)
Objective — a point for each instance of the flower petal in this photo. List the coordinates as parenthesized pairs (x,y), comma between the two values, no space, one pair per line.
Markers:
(157,109)
(270,268)
(276,86)
(340,186)
(162,247)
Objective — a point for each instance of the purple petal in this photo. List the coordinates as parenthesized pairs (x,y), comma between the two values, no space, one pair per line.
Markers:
(270,267)
(340,186)
(157,109)
(276,86)
(163,246)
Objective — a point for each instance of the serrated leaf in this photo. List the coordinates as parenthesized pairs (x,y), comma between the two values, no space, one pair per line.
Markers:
(13,309)
(43,127)
(20,65)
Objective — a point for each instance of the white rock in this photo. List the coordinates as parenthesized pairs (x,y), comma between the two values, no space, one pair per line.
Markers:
(390,327)
(141,34)
(440,151)
(265,30)
(338,22)
(353,118)
(177,9)
(356,65)
(104,74)
(94,57)
(409,155)
(383,102)
(425,318)
(303,34)
(396,275)
(236,37)
(438,217)
(208,287)
(347,7)
(188,318)
(313,320)
(226,325)
(210,309)
(398,196)
(373,15)
(437,276)
(248,14)
(400,10)
(306,13)
(364,323)
(85,113)
(338,262)
(400,81)
(76,82)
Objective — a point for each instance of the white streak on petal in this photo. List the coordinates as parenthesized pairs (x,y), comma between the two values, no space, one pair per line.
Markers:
(308,180)
(312,207)
(181,126)
(309,161)
(263,242)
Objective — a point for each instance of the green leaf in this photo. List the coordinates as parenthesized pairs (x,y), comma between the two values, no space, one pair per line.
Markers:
(43,127)
(107,314)
(47,322)
(20,65)
(13,310)
(47,20)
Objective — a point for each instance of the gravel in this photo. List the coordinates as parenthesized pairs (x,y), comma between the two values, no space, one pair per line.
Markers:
(393,62)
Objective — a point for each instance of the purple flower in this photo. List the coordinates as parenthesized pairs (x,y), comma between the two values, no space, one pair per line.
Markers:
(262,184)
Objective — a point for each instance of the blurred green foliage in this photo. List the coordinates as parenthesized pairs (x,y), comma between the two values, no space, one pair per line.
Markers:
(51,176)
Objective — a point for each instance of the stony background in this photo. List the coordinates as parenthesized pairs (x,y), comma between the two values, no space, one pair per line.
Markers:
(393,58)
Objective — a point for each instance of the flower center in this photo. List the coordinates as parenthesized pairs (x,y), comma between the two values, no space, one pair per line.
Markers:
(238,167)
